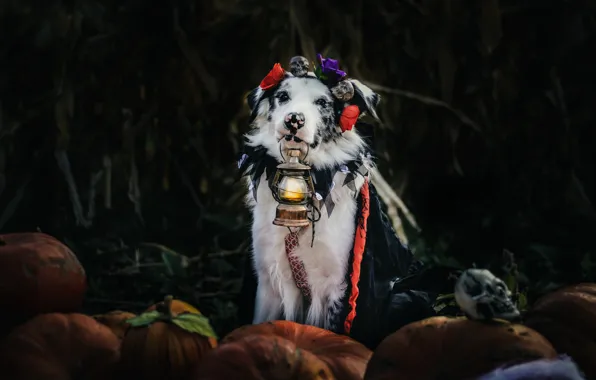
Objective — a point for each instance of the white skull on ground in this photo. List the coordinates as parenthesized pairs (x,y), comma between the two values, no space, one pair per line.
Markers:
(482,295)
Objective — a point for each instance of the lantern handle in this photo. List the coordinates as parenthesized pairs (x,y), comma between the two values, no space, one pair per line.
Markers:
(307,152)
(303,160)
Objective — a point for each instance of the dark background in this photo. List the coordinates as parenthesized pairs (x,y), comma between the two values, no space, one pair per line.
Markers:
(120,122)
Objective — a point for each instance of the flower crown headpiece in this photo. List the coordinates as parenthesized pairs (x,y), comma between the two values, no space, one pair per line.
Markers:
(327,71)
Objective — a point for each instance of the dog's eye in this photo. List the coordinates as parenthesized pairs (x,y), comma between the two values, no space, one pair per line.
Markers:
(283,97)
(322,102)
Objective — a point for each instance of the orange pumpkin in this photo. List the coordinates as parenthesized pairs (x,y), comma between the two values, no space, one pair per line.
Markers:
(454,348)
(177,307)
(38,275)
(163,345)
(257,357)
(59,347)
(286,350)
(567,318)
(116,321)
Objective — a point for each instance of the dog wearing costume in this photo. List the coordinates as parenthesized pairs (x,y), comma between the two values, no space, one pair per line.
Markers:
(338,272)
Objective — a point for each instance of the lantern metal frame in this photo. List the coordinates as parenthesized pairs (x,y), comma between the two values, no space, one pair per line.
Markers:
(293,213)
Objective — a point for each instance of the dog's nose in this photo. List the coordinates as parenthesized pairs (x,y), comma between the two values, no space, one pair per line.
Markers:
(294,121)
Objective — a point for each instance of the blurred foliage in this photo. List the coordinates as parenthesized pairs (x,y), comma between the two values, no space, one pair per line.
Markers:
(120,122)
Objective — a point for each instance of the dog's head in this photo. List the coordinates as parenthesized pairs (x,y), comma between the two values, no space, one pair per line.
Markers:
(311,112)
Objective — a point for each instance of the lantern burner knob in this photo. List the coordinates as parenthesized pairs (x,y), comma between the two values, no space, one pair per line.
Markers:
(294,156)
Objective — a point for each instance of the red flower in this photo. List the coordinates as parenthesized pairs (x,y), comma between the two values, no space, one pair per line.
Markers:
(348,117)
(273,78)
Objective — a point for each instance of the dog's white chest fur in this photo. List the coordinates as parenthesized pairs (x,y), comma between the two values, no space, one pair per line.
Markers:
(326,262)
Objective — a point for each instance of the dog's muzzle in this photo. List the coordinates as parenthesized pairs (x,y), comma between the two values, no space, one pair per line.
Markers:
(294,121)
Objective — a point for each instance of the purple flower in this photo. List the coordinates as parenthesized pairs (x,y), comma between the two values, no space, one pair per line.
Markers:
(328,70)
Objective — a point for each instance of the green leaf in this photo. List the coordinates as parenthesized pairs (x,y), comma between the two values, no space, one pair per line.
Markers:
(319,73)
(511,282)
(522,301)
(195,323)
(144,319)
(175,263)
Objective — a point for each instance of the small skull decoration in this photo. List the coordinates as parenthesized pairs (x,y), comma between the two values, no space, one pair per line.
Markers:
(483,296)
(299,66)
(344,90)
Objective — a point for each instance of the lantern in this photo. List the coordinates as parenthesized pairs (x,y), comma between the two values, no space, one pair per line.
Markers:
(293,189)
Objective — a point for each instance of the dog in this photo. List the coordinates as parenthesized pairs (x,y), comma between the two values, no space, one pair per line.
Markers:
(318,113)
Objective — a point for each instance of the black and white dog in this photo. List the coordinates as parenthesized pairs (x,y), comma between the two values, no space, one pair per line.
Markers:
(346,269)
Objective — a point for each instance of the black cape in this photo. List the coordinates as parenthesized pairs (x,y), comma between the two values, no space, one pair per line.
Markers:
(382,308)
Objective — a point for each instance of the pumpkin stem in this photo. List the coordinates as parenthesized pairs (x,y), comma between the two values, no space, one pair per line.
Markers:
(165,308)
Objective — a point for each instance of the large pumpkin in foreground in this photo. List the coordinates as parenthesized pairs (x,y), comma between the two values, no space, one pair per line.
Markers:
(163,345)
(567,318)
(38,274)
(260,357)
(285,350)
(59,347)
(454,348)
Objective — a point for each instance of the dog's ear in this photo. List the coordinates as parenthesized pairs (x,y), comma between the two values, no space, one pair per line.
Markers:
(257,99)
(257,103)
(254,98)
(366,98)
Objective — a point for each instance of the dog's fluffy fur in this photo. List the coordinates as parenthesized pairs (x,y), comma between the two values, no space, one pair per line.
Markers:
(325,148)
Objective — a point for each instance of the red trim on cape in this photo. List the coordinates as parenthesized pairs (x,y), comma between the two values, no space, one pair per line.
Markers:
(359,244)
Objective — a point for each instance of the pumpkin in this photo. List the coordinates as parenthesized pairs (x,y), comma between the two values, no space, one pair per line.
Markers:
(567,318)
(258,357)
(286,350)
(59,347)
(38,275)
(178,307)
(163,345)
(454,348)
(116,321)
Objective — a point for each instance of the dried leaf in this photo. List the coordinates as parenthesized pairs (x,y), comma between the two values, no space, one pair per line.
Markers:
(443,301)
